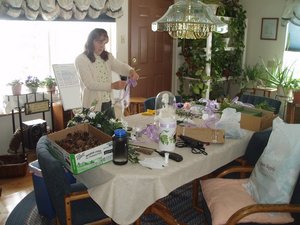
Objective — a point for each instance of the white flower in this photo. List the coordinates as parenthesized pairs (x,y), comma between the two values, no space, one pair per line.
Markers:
(92,115)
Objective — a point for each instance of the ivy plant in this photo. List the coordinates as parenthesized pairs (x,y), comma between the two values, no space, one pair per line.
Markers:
(224,63)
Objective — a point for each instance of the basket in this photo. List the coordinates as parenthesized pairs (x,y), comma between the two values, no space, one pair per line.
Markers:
(13,166)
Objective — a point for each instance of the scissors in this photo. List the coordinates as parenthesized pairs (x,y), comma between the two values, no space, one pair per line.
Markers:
(197,147)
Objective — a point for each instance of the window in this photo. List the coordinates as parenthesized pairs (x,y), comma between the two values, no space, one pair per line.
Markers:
(292,53)
(31,47)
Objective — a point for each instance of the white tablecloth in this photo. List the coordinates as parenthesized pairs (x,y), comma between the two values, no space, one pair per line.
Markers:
(124,192)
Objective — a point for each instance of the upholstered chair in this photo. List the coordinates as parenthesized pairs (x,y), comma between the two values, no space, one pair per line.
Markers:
(71,202)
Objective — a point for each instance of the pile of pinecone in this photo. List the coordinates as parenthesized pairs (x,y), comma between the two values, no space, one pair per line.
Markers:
(78,141)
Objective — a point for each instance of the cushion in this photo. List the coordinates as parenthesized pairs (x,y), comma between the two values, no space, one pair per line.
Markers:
(275,173)
(226,196)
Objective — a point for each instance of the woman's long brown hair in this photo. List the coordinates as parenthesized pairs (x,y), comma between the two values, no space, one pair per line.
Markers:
(89,45)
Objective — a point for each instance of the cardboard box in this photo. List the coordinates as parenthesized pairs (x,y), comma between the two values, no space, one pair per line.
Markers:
(83,161)
(202,134)
(257,123)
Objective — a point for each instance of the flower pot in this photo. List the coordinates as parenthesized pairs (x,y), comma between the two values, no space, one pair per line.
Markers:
(16,90)
(32,89)
(50,89)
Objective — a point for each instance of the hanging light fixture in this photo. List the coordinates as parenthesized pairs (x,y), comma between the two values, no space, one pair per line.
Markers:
(189,19)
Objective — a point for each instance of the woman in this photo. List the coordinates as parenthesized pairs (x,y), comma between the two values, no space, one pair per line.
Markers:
(95,66)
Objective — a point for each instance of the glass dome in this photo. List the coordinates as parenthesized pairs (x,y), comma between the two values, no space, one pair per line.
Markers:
(165,105)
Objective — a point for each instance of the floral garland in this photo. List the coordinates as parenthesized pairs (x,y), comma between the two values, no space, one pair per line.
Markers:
(97,119)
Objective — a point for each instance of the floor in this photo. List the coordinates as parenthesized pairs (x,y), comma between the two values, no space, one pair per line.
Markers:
(14,190)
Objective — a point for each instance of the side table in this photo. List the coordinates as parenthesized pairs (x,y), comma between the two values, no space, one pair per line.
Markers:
(293,112)
(266,90)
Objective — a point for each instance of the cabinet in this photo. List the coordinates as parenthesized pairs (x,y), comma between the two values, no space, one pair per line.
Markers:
(293,112)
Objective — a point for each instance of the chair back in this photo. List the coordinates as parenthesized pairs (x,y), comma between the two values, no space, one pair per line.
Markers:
(256,146)
(55,178)
(149,103)
(255,100)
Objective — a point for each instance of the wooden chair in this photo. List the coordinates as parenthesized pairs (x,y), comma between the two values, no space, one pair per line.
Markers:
(229,188)
(293,207)
(71,202)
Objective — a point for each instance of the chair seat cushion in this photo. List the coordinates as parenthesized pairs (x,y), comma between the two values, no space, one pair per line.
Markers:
(226,196)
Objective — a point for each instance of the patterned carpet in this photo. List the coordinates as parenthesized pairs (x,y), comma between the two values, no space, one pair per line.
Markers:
(179,201)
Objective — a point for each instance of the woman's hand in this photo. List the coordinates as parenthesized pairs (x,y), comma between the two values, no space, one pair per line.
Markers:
(118,85)
(133,75)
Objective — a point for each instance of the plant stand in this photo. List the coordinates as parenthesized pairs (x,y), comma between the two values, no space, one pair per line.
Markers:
(19,109)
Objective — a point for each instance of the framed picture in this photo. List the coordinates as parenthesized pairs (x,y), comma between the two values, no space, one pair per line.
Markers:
(269,28)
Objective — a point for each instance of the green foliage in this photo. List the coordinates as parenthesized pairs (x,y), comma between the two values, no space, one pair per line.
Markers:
(48,82)
(224,62)
(279,75)
(15,82)
(254,72)
(97,119)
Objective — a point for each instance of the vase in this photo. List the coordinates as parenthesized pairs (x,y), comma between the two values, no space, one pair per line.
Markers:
(51,89)
(32,89)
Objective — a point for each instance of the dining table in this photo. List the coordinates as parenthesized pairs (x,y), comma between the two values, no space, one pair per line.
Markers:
(125,192)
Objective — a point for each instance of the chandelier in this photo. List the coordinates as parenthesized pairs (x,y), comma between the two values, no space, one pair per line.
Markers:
(189,19)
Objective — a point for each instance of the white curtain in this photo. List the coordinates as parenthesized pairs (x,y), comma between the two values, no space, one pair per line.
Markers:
(63,9)
(291,12)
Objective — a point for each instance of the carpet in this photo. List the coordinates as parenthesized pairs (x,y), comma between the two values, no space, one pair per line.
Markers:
(179,202)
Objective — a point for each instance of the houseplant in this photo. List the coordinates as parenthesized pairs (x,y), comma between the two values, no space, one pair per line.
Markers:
(281,77)
(32,83)
(50,83)
(225,63)
(16,86)
(252,76)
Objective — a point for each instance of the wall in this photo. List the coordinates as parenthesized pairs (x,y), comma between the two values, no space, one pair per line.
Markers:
(265,49)
(122,35)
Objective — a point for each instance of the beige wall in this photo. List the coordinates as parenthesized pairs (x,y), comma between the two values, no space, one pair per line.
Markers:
(122,35)
(265,49)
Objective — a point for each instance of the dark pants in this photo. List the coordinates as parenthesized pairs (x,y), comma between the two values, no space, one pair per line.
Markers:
(108,110)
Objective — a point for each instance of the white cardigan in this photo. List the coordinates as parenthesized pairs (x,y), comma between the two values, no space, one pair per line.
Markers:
(91,87)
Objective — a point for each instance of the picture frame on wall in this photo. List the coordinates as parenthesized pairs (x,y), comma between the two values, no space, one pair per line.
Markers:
(269,28)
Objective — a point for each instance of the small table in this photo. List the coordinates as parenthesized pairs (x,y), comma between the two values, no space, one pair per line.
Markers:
(292,108)
(136,104)
(265,90)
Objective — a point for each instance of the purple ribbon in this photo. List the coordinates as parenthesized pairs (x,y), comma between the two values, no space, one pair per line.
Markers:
(211,107)
(235,101)
(126,96)
(152,132)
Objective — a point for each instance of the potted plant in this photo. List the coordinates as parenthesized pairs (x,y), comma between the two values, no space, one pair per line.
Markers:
(253,76)
(32,83)
(16,86)
(50,84)
(281,77)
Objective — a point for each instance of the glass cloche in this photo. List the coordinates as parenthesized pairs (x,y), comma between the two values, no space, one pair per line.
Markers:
(165,105)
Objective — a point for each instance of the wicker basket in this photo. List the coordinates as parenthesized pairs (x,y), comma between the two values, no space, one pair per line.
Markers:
(13,166)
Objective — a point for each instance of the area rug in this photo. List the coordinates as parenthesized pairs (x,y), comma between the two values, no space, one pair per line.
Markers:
(179,202)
